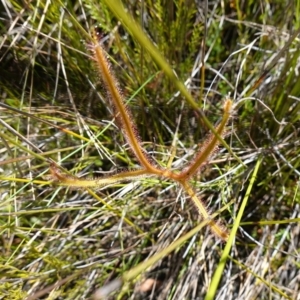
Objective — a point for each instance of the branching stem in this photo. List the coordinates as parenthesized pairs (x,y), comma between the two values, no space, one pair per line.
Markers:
(148,167)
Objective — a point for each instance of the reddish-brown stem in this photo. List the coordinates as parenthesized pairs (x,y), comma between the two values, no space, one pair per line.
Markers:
(209,147)
(73,181)
(148,167)
(116,97)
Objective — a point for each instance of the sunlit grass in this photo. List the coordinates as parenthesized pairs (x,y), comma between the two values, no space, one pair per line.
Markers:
(60,242)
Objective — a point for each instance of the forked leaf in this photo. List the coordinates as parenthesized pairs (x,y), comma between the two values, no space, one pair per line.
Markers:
(125,120)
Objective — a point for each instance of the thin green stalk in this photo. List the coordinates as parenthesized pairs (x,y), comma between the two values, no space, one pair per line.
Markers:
(136,31)
(103,292)
(219,271)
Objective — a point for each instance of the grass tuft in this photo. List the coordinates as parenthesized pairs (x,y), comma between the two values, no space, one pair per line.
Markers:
(143,239)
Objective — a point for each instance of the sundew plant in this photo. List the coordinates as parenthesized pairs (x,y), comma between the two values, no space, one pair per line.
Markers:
(149,150)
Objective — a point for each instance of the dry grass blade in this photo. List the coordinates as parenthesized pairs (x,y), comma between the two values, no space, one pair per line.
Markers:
(103,178)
